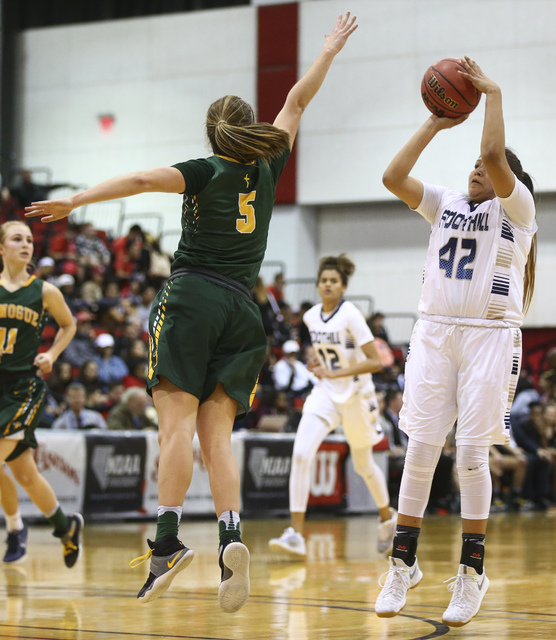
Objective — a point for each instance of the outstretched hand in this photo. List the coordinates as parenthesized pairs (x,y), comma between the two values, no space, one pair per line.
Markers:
(51,210)
(476,76)
(344,27)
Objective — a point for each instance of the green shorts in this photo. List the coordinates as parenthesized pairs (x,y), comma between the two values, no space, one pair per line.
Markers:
(200,334)
(21,404)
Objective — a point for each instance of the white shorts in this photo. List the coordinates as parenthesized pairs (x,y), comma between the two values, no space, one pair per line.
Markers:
(464,373)
(359,416)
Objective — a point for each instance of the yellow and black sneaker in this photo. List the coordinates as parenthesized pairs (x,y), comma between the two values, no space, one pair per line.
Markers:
(70,539)
(234,584)
(168,557)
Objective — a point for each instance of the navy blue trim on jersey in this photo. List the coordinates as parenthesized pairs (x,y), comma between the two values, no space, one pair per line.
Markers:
(333,313)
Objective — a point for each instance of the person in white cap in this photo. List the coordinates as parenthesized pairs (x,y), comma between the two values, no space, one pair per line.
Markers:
(290,374)
(111,368)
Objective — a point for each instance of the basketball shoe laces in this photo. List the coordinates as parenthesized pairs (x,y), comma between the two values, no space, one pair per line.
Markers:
(397,583)
(465,594)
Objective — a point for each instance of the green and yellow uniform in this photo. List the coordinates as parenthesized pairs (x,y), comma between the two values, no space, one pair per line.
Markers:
(204,328)
(21,391)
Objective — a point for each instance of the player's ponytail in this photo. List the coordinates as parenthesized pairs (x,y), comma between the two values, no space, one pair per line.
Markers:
(342,264)
(233,132)
(529,280)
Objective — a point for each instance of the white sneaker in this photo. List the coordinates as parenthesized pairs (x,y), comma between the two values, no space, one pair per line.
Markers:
(468,590)
(400,578)
(386,532)
(290,542)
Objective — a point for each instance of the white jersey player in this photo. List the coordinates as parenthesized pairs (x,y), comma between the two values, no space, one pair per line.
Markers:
(343,356)
(465,351)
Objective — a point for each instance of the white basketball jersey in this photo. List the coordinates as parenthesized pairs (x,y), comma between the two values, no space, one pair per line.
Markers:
(337,342)
(476,258)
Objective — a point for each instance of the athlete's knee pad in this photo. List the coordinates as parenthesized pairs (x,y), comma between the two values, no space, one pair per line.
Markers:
(420,463)
(475,481)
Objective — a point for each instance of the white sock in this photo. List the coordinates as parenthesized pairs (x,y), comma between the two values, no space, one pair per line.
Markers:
(14,523)
(49,514)
(230,520)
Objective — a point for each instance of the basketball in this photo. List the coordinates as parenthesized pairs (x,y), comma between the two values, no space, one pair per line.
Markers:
(446,93)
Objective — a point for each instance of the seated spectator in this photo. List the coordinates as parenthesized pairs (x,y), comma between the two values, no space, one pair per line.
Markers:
(45,269)
(376,325)
(125,263)
(88,377)
(396,438)
(276,289)
(135,234)
(131,413)
(66,284)
(302,331)
(62,246)
(137,352)
(131,331)
(59,380)
(292,376)
(111,311)
(82,347)
(91,250)
(144,308)
(530,436)
(138,372)
(92,290)
(525,393)
(110,399)
(270,311)
(510,463)
(111,368)
(274,412)
(77,416)
(160,265)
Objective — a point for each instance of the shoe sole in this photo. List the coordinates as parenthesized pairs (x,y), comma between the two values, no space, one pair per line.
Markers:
(234,592)
(10,563)
(458,623)
(277,547)
(160,585)
(393,614)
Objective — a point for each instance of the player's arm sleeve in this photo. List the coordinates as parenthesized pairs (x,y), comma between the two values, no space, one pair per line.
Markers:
(431,203)
(196,173)
(520,206)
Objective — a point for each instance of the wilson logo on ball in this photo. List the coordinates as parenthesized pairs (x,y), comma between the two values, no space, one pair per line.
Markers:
(440,92)
(445,92)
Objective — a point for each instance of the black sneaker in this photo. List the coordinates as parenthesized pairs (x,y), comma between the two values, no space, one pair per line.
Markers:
(168,557)
(234,583)
(17,546)
(70,539)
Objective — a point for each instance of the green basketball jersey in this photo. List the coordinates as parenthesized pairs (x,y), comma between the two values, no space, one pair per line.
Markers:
(21,323)
(226,214)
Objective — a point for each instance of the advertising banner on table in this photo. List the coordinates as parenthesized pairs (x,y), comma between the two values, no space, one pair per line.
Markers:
(198,500)
(328,477)
(267,466)
(115,472)
(60,458)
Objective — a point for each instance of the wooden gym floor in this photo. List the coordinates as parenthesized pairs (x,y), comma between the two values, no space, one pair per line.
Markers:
(329,596)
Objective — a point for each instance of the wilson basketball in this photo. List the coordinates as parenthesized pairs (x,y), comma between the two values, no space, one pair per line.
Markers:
(445,92)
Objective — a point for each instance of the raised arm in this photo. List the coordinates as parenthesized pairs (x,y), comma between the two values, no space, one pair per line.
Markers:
(306,88)
(396,178)
(163,180)
(493,142)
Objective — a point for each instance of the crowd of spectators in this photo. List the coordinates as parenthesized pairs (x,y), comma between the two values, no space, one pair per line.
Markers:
(110,283)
